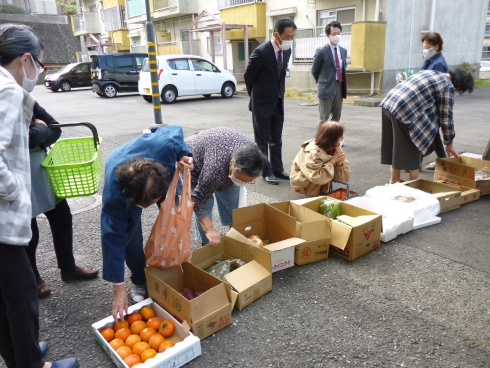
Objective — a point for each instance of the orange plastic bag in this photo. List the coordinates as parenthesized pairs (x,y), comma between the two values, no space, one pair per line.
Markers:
(169,242)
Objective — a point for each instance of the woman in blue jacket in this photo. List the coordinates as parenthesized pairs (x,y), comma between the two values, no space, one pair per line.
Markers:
(137,175)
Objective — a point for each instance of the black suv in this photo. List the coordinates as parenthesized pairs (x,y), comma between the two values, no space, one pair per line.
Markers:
(70,76)
(113,73)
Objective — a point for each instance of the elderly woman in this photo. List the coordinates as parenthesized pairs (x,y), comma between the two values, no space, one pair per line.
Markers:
(224,160)
(319,161)
(20,65)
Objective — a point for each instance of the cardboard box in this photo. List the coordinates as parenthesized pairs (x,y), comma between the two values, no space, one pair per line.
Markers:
(461,171)
(274,227)
(249,282)
(358,234)
(187,346)
(310,226)
(206,314)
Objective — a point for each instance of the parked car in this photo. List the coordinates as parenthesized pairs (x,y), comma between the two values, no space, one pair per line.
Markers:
(186,75)
(70,76)
(113,73)
(485,66)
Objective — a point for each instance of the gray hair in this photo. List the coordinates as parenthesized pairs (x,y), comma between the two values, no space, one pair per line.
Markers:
(248,159)
(16,40)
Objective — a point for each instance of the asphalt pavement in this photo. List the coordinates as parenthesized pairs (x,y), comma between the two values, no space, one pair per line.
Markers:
(421,300)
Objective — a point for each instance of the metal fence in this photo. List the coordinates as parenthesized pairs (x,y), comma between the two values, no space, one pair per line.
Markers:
(222,4)
(79,22)
(114,18)
(307,40)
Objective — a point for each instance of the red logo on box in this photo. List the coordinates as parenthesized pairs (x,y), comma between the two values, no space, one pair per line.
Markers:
(305,253)
(368,234)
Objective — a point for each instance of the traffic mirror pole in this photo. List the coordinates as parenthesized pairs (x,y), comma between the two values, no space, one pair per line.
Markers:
(152,60)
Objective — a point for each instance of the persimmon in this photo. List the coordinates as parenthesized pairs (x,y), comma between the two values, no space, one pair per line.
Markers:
(147,333)
(133,317)
(107,333)
(154,323)
(165,345)
(123,333)
(120,324)
(148,354)
(132,360)
(147,312)
(167,328)
(155,341)
(131,340)
(124,351)
(116,344)
(140,347)
(137,327)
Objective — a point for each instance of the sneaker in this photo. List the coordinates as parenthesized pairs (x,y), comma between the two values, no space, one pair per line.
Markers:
(431,166)
(137,294)
(65,363)
(43,345)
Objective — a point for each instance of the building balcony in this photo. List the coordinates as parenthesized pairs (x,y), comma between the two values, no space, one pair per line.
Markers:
(86,23)
(178,48)
(114,18)
(136,11)
(244,12)
(223,4)
(163,9)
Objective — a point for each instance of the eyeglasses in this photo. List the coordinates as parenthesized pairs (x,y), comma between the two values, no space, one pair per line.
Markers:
(42,68)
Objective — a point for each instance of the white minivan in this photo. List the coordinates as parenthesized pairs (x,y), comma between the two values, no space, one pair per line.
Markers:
(186,75)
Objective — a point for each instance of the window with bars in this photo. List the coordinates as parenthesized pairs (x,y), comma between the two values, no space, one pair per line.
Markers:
(218,46)
(486,52)
(487,29)
(344,16)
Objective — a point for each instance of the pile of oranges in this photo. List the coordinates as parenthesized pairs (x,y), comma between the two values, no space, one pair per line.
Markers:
(140,336)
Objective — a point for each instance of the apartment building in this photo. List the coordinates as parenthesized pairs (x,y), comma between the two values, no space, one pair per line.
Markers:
(486,41)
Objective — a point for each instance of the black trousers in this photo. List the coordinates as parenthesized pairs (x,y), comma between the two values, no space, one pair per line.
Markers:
(19,310)
(268,136)
(439,146)
(61,224)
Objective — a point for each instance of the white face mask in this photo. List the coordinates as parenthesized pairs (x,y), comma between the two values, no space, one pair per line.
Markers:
(428,53)
(334,40)
(29,84)
(237,182)
(286,44)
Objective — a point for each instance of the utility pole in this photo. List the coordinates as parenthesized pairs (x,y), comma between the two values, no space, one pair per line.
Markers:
(152,59)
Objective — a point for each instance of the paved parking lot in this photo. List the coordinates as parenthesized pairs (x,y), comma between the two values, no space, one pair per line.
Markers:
(421,300)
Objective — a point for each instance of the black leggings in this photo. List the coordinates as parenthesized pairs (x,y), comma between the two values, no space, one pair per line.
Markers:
(61,224)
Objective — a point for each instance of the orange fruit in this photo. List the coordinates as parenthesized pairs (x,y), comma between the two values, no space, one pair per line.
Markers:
(107,333)
(147,333)
(147,312)
(120,324)
(148,354)
(116,344)
(165,345)
(140,347)
(132,339)
(137,327)
(123,333)
(155,341)
(154,323)
(124,351)
(132,360)
(133,317)
(167,328)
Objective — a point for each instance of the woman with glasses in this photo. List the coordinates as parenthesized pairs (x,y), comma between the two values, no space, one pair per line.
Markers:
(20,66)
(224,160)
(319,161)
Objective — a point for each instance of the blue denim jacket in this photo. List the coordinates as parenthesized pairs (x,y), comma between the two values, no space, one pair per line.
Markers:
(437,63)
(165,145)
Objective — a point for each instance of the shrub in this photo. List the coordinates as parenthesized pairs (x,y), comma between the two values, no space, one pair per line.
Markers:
(11,9)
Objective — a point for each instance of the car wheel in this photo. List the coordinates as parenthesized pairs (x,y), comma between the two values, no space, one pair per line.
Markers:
(54,89)
(100,94)
(169,95)
(65,86)
(110,91)
(228,90)
(207,96)
(147,98)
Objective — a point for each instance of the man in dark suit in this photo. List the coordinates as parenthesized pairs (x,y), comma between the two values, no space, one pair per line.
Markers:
(265,80)
(328,69)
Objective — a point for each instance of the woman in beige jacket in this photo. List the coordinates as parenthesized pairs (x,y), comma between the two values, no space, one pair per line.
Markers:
(319,161)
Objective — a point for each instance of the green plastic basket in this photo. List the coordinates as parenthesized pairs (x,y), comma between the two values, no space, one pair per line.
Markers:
(74,165)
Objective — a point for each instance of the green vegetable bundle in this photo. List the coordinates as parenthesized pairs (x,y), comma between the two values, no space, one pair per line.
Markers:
(330,209)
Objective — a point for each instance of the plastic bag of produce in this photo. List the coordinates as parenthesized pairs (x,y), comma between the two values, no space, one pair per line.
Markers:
(329,208)
(221,268)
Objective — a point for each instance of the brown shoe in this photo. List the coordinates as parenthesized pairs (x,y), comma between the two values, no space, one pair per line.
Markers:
(80,273)
(43,289)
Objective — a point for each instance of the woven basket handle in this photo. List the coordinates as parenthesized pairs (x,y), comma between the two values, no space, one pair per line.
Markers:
(88,125)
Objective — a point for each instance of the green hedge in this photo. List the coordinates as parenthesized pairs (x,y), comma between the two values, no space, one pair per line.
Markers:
(11,9)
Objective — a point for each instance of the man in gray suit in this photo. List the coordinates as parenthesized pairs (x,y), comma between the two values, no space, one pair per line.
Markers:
(328,69)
